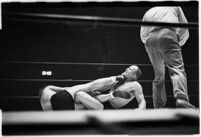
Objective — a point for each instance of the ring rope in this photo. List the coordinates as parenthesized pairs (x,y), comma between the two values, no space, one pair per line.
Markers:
(71,63)
(97,19)
(37,97)
(81,63)
(55,80)
(67,80)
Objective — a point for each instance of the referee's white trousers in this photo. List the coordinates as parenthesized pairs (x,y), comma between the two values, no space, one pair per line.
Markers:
(163,50)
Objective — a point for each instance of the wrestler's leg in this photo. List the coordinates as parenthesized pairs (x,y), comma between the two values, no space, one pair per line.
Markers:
(88,101)
(45,94)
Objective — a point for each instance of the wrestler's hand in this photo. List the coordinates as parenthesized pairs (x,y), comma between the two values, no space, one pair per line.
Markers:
(95,93)
(120,78)
(121,94)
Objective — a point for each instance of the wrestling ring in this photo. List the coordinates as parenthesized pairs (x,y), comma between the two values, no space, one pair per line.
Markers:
(168,121)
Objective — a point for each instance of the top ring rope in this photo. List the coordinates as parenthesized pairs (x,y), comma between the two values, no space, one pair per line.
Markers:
(71,63)
(81,63)
(60,18)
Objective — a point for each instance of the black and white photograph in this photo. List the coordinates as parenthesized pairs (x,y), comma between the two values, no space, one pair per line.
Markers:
(99,68)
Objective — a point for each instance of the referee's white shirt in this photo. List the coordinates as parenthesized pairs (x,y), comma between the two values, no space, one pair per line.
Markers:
(165,14)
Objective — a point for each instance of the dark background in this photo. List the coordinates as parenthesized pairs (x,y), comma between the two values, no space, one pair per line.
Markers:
(30,47)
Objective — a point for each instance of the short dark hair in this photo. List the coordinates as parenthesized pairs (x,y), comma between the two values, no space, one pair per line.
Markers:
(139,72)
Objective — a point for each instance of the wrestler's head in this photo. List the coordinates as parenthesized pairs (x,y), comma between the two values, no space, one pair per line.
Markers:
(132,73)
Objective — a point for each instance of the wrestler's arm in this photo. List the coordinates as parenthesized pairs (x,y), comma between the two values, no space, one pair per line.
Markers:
(143,31)
(183,32)
(104,97)
(88,101)
(112,96)
(99,84)
(140,97)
